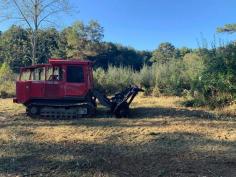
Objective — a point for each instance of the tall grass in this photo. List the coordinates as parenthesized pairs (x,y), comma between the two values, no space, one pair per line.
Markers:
(7,89)
(170,79)
(114,79)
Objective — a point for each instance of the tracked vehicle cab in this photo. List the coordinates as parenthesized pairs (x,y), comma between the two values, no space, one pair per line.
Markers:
(60,83)
(60,79)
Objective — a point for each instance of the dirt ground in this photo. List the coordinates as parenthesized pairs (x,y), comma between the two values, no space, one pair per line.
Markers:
(160,139)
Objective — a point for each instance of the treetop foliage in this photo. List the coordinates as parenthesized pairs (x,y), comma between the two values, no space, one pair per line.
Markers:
(79,41)
(228,28)
(165,52)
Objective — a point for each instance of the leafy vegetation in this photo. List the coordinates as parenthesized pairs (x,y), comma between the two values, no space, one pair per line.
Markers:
(204,76)
(228,28)
(7,88)
(80,41)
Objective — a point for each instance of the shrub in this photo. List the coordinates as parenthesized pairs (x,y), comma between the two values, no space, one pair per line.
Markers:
(7,89)
(146,77)
(6,73)
(156,92)
(217,86)
(169,78)
(7,83)
(99,76)
(114,79)
(204,77)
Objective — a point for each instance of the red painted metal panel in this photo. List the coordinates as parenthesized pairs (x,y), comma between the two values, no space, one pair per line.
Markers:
(41,89)
(54,89)
(37,89)
(74,89)
(78,89)
(22,91)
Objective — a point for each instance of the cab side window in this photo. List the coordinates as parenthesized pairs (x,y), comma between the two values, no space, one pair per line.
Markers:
(54,74)
(38,74)
(25,75)
(58,72)
(75,74)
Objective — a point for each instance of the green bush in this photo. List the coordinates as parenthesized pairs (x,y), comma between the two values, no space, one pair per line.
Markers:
(193,69)
(7,89)
(99,76)
(6,73)
(7,81)
(146,77)
(169,78)
(217,85)
(204,77)
(114,79)
(156,92)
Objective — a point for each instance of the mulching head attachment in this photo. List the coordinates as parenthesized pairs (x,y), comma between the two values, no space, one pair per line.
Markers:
(119,104)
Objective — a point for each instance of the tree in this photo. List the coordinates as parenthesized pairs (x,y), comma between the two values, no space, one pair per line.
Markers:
(146,56)
(117,55)
(6,73)
(47,44)
(83,40)
(15,50)
(228,28)
(181,52)
(165,52)
(62,46)
(217,84)
(34,14)
(1,49)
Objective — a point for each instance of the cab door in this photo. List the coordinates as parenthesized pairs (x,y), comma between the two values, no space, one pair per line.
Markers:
(54,84)
(76,81)
(37,83)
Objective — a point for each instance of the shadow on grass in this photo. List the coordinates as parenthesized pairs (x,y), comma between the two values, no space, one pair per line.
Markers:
(103,119)
(167,154)
(156,112)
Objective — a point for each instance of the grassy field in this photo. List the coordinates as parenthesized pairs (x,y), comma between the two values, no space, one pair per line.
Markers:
(160,139)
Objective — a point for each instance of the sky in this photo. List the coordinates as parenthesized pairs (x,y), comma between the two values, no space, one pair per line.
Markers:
(144,24)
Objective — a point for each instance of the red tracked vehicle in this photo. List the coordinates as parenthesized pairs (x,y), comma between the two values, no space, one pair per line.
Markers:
(64,89)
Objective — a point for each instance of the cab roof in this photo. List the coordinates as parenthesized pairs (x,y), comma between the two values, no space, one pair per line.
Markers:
(57,61)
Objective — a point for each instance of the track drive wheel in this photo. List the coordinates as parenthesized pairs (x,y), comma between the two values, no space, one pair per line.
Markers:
(32,111)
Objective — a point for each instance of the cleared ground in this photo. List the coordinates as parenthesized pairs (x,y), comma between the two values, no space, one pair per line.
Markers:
(160,139)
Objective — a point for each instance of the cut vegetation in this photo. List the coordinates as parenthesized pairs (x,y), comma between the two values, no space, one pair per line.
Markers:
(161,138)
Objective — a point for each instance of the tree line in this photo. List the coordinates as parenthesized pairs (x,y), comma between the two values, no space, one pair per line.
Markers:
(204,76)
(79,41)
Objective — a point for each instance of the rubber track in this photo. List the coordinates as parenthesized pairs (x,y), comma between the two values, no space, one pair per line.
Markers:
(64,111)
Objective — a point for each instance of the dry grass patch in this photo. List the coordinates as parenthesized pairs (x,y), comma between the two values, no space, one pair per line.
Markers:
(160,139)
